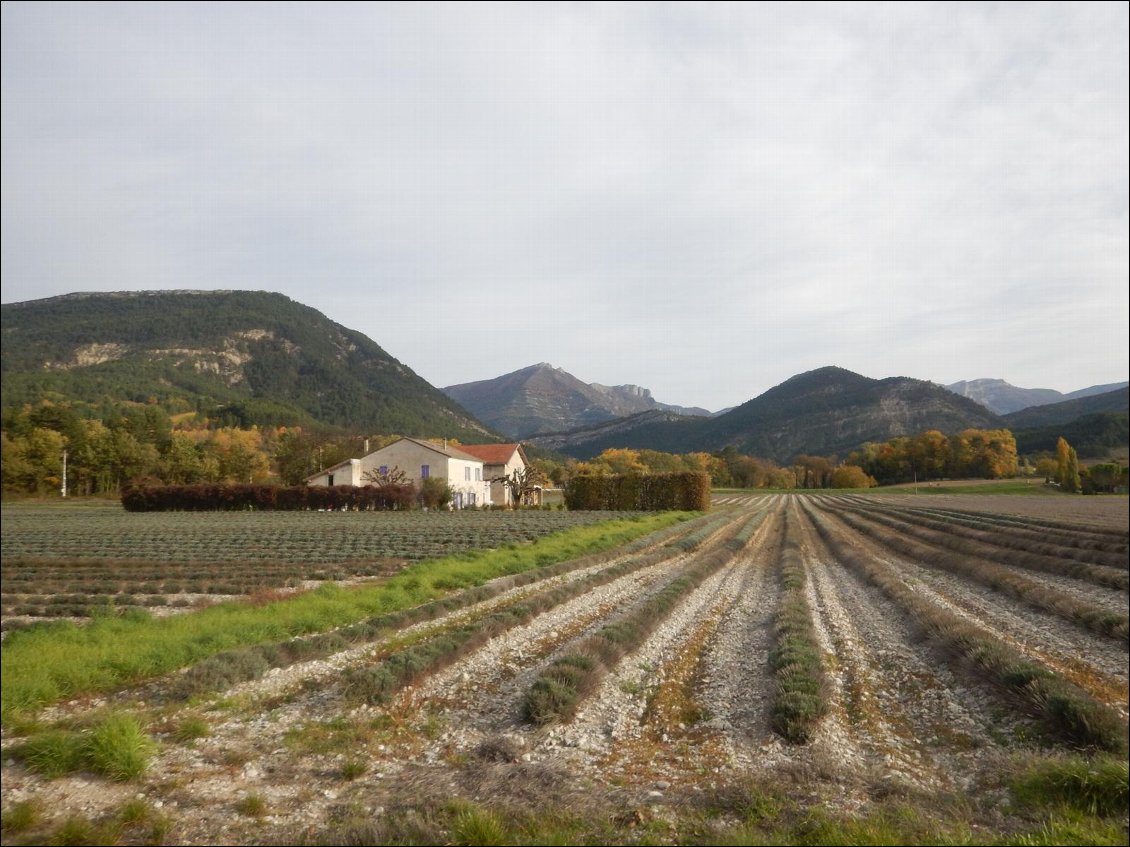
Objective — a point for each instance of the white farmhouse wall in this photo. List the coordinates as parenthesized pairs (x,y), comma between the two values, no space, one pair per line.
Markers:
(500,491)
(411,457)
(344,473)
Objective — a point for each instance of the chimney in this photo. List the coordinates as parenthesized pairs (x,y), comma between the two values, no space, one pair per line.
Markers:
(445,444)
(366,452)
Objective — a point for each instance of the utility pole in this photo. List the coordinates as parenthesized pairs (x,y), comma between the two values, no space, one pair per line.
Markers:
(64,473)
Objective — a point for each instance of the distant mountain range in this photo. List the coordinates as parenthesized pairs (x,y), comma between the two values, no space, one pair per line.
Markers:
(1000,397)
(822,412)
(247,357)
(542,398)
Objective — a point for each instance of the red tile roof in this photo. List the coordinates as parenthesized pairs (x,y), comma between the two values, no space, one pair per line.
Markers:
(491,454)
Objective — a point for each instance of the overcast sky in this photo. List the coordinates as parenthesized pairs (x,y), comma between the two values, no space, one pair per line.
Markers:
(701,199)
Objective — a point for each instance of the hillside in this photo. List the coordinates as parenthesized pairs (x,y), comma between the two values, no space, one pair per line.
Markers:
(822,412)
(251,357)
(1070,410)
(1092,424)
(545,399)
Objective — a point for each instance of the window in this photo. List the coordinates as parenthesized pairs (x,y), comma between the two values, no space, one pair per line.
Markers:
(478,474)
(467,474)
(383,470)
(425,471)
(330,480)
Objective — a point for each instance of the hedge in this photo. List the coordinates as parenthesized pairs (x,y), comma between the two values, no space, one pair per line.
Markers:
(231,498)
(687,492)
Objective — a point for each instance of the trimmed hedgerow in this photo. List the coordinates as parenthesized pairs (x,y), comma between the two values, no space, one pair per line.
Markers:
(688,492)
(239,498)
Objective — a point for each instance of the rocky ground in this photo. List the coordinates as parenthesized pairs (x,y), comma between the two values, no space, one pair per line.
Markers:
(292,757)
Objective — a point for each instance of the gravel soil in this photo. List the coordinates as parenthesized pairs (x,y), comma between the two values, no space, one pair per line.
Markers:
(683,716)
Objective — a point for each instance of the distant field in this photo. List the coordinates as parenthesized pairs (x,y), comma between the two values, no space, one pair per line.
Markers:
(71,559)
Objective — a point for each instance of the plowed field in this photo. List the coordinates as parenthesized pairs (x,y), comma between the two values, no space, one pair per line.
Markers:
(672,738)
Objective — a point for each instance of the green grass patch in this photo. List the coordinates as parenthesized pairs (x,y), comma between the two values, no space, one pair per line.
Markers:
(116,747)
(1097,786)
(45,665)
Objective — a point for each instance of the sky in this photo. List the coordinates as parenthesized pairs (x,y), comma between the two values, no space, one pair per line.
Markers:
(703,199)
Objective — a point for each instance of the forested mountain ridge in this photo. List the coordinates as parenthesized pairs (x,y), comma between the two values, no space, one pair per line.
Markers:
(822,412)
(1092,423)
(256,357)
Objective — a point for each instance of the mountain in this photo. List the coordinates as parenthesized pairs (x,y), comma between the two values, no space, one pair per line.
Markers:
(1092,424)
(1000,397)
(1096,389)
(1066,411)
(1096,436)
(542,399)
(249,357)
(821,412)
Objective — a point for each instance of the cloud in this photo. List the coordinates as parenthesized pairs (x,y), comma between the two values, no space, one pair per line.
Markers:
(704,199)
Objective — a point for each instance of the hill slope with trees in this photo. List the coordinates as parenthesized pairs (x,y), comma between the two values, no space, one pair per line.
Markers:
(243,357)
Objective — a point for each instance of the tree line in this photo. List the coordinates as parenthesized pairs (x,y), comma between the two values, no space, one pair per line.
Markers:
(134,442)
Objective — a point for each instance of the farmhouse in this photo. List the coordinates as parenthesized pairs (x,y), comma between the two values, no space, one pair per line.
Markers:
(499,460)
(418,460)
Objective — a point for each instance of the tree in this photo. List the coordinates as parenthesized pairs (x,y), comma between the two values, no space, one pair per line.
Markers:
(1067,466)
(521,482)
(850,476)
(182,463)
(379,477)
(295,456)
(434,492)
(621,460)
(1047,468)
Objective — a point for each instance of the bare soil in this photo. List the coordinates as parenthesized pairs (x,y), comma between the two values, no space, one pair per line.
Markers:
(683,718)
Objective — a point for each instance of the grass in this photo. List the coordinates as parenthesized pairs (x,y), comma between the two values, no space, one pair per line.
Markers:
(43,665)
(116,747)
(751,814)
(253,805)
(1096,786)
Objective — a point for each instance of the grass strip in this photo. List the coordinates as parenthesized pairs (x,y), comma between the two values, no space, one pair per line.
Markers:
(801,696)
(1067,710)
(43,665)
(230,667)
